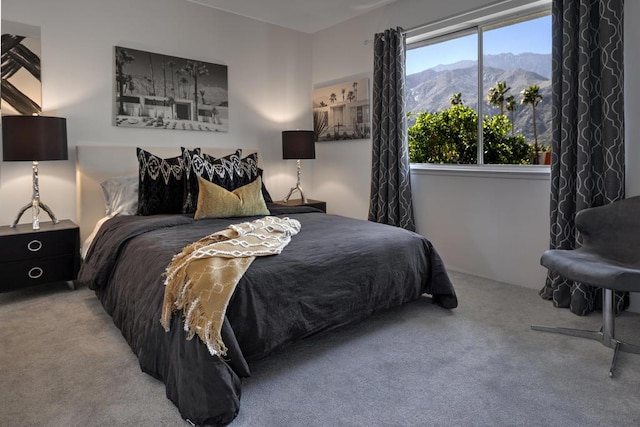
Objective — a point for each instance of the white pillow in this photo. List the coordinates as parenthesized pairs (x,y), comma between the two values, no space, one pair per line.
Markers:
(120,195)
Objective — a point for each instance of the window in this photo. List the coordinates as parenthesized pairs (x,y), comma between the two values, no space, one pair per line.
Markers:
(497,69)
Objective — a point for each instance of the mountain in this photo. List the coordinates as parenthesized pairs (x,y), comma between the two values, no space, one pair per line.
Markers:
(430,90)
(538,63)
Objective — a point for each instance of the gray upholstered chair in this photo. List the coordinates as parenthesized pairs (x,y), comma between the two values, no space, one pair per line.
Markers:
(609,258)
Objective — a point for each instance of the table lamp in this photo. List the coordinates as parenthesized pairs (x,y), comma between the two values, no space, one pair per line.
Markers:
(298,144)
(34,138)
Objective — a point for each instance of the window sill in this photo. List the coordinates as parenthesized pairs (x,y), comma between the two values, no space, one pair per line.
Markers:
(532,172)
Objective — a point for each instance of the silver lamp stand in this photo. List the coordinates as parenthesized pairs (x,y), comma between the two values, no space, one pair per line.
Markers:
(35,203)
(297,188)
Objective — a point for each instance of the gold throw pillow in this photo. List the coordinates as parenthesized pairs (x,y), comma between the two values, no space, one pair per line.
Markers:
(217,202)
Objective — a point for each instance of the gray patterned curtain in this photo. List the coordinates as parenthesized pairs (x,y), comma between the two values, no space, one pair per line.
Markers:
(390,176)
(588,163)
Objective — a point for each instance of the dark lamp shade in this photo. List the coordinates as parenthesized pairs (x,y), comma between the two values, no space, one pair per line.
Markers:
(298,144)
(34,138)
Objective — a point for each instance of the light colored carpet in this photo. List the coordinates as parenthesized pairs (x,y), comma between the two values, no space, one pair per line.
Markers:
(63,363)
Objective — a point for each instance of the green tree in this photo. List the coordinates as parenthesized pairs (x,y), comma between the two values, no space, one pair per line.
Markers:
(456,99)
(447,136)
(451,136)
(511,107)
(499,147)
(532,96)
(497,94)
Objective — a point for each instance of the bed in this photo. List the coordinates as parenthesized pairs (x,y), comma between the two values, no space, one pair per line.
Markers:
(335,271)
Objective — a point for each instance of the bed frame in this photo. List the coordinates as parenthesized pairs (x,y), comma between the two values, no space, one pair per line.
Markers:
(95,163)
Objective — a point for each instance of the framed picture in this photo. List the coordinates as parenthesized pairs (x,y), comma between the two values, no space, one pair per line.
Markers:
(158,91)
(21,73)
(341,111)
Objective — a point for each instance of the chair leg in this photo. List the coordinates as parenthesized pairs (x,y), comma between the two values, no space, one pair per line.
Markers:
(606,334)
(580,333)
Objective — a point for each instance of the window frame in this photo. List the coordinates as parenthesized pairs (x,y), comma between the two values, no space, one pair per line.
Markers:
(476,22)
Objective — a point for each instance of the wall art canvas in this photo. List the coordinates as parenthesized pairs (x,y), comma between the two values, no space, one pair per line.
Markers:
(158,91)
(21,78)
(341,111)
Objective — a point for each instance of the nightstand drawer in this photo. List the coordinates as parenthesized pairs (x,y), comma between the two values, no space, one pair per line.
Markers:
(37,245)
(17,274)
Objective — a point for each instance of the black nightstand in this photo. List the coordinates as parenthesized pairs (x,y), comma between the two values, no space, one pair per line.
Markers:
(34,257)
(298,202)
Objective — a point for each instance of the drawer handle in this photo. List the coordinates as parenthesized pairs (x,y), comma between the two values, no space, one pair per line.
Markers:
(34,245)
(35,273)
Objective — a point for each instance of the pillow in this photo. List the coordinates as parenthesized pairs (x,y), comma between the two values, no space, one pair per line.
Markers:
(120,195)
(161,184)
(220,171)
(217,202)
(265,192)
(190,185)
(248,170)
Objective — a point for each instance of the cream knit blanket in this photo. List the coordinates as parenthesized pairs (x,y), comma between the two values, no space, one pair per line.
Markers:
(201,279)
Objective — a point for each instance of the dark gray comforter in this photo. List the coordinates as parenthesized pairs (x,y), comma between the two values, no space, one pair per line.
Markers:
(335,271)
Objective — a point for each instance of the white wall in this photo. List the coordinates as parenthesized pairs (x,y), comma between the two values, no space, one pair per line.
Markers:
(491,227)
(269,84)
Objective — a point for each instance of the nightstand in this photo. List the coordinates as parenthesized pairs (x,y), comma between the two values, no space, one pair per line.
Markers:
(298,202)
(34,257)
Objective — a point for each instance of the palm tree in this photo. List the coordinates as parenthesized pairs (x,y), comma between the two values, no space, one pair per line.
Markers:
(355,91)
(164,80)
(129,85)
(153,82)
(122,57)
(195,69)
(332,98)
(185,85)
(531,96)
(350,96)
(173,84)
(456,99)
(511,107)
(343,91)
(497,94)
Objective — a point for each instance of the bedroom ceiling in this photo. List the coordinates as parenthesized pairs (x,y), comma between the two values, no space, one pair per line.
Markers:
(307,16)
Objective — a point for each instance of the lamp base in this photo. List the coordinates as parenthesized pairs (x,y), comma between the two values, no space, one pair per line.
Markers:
(36,205)
(293,190)
(297,188)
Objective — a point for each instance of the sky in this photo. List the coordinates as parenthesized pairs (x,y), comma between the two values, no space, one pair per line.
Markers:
(530,36)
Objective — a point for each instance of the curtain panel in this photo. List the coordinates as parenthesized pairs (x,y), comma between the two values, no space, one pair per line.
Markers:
(588,163)
(391,201)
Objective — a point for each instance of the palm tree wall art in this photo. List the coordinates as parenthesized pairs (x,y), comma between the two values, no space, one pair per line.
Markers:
(159,91)
(345,116)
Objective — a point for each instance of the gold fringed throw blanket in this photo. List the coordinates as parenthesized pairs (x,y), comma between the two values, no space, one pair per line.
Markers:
(201,279)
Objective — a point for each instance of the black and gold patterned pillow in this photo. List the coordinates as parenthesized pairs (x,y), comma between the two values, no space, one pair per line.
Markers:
(161,184)
(221,171)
